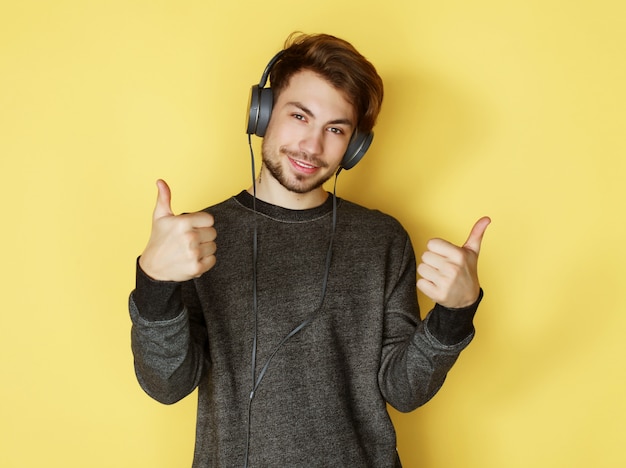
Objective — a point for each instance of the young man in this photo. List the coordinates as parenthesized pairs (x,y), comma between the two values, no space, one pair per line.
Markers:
(308,325)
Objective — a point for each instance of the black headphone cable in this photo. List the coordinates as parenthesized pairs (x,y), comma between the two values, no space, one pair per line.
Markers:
(256,380)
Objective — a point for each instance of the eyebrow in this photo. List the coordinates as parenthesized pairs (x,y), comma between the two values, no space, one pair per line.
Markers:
(310,113)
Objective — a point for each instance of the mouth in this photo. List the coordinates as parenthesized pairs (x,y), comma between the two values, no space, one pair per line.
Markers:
(302,166)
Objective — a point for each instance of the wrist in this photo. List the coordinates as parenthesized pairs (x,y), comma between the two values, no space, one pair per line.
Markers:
(452,325)
(156,300)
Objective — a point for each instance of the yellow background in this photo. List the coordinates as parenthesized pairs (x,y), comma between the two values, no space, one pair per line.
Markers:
(511,109)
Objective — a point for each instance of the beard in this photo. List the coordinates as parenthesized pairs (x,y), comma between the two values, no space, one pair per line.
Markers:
(297,183)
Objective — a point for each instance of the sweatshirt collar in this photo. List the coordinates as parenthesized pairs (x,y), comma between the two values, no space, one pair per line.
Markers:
(279,213)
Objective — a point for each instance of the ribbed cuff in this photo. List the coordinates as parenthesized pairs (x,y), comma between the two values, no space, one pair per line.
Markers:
(156,300)
(451,326)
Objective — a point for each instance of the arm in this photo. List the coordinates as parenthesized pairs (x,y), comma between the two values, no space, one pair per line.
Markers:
(168,334)
(417,355)
(168,338)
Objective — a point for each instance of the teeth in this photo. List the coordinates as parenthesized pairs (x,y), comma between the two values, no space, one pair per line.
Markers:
(308,166)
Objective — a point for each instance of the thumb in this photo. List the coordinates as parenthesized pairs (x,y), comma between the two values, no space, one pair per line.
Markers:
(163,206)
(476,236)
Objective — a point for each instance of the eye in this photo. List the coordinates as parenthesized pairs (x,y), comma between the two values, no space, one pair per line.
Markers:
(298,116)
(336,130)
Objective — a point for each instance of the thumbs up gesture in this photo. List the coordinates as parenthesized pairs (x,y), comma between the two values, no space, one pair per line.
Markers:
(449,274)
(180,247)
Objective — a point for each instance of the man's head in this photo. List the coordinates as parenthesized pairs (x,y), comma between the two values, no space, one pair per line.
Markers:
(339,63)
(324,93)
(311,126)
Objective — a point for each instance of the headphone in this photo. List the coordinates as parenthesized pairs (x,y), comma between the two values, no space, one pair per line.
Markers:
(260,111)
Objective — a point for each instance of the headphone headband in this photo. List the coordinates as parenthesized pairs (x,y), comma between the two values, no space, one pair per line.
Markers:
(268,69)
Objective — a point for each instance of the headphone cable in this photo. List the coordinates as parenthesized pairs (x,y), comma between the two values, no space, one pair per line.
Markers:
(256,380)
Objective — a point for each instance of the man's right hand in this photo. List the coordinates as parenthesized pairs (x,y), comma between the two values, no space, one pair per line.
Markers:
(180,247)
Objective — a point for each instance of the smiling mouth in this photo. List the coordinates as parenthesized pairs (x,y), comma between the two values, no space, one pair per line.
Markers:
(303,164)
(302,167)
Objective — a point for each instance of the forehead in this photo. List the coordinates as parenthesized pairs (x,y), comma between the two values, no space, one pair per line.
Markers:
(315,92)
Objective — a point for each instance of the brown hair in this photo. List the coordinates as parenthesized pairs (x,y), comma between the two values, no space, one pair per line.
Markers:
(337,61)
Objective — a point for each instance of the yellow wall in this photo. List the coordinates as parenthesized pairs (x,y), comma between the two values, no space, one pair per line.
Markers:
(511,109)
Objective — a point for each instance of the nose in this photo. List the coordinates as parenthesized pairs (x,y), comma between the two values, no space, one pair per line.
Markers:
(312,141)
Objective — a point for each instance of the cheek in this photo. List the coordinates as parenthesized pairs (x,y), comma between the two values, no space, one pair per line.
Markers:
(336,148)
(272,139)
(279,134)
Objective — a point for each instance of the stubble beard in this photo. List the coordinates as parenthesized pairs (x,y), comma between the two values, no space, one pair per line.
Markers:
(299,183)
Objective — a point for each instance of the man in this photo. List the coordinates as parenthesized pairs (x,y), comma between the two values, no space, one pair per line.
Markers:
(308,325)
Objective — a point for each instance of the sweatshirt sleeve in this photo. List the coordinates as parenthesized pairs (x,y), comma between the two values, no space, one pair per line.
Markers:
(417,354)
(451,326)
(168,338)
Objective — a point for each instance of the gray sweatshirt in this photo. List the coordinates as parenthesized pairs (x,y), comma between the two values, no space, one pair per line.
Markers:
(322,399)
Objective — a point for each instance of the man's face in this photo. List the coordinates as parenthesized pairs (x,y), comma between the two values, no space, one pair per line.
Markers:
(308,133)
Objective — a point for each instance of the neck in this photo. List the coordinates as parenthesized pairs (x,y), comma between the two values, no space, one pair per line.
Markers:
(271,191)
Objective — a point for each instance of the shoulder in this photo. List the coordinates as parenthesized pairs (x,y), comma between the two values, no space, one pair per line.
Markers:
(359,222)
(370,236)
(359,214)
(229,205)
(229,214)
(222,204)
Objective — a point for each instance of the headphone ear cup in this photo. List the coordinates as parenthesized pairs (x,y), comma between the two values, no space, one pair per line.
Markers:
(253,110)
(357,148)
(261,102)
(266,102)
(259,110)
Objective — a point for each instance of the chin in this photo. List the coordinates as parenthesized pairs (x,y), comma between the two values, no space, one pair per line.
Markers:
(301,184)
(302,188)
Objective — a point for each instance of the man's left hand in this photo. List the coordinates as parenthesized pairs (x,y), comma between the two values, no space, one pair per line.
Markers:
(449,274)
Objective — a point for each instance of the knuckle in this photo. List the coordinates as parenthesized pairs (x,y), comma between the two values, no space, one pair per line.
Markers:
(196,269)
(189,238)
(455,270)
